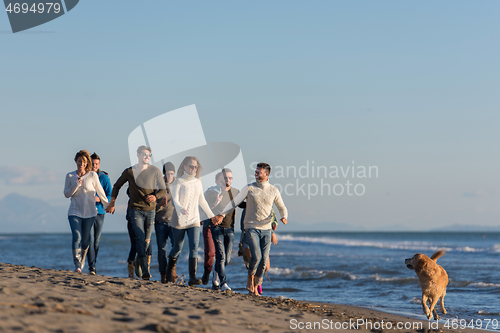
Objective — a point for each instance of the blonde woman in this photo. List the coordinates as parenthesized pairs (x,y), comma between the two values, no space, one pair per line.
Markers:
(81,187)
(187,196)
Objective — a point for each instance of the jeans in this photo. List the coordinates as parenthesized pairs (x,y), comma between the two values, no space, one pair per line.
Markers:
(95,236)
(163,233)
(178,241)
(223,241)
(259,242)
(209,248)
(131,235)
(142,225)
(80,230)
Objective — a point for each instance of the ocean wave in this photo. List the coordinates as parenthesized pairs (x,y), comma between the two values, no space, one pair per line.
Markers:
(455,283)
(416,300)
(485,313)
(397,280)
(405,245)
(312,274)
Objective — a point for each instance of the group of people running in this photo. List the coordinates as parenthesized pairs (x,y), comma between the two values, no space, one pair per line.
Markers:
(171,203)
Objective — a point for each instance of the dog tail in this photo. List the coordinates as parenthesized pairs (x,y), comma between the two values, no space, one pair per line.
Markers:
(437,254)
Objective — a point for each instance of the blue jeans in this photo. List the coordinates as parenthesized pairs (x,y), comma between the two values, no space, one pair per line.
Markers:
(163,233)
(259,242)
(95,237)
(223,241)
(178,241)
(142,224)
(80,230)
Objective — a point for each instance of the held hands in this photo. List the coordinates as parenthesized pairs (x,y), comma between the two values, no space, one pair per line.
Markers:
(97,199)
(216,220)
(284,220)
(111,207)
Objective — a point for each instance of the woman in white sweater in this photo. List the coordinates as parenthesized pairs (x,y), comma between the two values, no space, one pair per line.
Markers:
(81,186)
(187,195)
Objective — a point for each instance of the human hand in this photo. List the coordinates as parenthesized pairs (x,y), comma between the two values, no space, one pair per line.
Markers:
(219,198)
(97,199)
(150,198)
(184,212)
(284,220)
(163,201)
(111,208)
(274,239)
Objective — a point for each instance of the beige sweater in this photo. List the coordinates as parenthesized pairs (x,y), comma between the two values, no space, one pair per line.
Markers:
(260,198)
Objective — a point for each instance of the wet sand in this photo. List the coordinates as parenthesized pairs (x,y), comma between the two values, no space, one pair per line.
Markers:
(40,300)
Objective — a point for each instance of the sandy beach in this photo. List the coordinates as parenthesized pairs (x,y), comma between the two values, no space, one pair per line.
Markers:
(40,300)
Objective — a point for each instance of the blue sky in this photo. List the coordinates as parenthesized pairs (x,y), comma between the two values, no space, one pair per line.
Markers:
(411,88)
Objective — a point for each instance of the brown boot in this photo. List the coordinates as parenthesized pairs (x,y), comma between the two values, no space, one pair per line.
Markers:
(163,277)
(193,265)
(174,274)
(130,268)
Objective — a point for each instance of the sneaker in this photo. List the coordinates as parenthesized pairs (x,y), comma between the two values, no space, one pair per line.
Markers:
(214,287)
(225,287)
(92,271)
(78,270)
(215,279)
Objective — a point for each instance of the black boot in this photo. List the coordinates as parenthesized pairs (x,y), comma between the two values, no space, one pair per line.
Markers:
(206,277)
(193,265)
(170,268)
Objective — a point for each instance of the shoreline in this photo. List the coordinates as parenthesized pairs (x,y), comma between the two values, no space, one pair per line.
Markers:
(46,300)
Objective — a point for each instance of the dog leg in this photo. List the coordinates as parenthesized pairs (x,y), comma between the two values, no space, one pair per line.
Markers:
(443,310)
(425,307)
(433,305)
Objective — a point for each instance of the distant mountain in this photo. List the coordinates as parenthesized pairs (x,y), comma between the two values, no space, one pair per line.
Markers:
(321,226)
(395,228)
(21,214)
(468,228)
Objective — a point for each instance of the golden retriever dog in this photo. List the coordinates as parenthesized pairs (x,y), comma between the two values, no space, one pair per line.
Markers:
(433,280)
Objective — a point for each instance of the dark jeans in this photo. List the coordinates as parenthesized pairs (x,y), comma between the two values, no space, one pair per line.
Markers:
(131,235)
(162,235)
(223,241)
(95,237)
(142,224)
(209,248)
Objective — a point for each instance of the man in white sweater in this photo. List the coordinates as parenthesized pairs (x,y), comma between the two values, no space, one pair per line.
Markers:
(260,197)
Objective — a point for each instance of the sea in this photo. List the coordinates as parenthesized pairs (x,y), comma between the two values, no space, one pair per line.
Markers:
(356,268)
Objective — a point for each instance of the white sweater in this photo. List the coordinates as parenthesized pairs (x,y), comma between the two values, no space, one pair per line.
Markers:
(187,193)
(260,199)
(83,195)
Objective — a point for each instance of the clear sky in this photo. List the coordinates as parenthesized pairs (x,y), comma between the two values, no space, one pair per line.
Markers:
(408,87)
